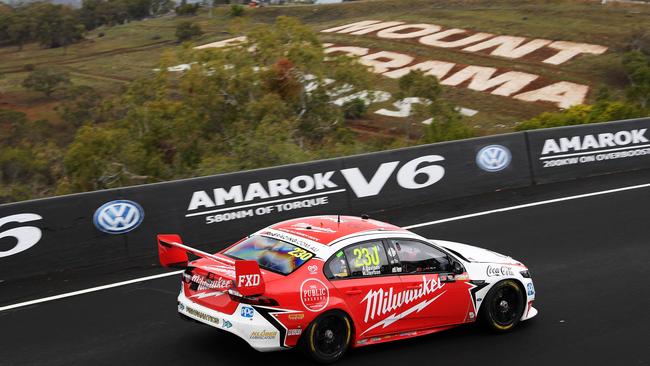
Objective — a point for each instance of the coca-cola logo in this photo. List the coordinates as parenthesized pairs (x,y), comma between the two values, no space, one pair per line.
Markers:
(499,271)
(314,295)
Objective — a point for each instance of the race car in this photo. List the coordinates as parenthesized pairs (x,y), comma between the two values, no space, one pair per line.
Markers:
(330,283)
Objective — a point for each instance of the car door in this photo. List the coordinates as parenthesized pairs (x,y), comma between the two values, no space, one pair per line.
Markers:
(435,296)
(365,279)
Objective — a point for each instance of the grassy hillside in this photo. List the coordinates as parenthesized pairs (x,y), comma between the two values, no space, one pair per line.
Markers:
(113,56)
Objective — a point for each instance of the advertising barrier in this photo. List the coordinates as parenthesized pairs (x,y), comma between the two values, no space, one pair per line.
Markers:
(107,232)
(563,153)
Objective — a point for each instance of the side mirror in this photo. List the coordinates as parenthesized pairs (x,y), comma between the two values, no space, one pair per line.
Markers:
(458,268)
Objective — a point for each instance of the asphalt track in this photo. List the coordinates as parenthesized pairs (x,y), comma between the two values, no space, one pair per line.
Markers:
(589,258)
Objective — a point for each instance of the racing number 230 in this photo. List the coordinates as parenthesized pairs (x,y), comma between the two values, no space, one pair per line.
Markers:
(300,254)
(365,258)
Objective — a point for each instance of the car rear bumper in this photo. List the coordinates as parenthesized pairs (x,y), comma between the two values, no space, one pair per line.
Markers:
(258,332)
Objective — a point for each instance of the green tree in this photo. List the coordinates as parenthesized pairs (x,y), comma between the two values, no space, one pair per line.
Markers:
(355,108)
(29,160)
(185,9)
(46,81)
(56,25)
(601,111)
(187,30)
(161,7)
(234,109)
(19,29)
(236,10)
(637,68)
(446,123)
(80,105)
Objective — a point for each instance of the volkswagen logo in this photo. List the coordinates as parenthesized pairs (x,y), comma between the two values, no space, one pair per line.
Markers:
(493,158)
(118,217)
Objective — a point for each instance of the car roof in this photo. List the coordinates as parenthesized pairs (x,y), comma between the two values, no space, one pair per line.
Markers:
(328,229)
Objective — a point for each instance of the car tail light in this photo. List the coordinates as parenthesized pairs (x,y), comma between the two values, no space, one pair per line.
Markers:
(252,300)
(187,275)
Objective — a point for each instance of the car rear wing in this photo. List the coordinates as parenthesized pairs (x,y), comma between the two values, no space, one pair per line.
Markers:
(172,253)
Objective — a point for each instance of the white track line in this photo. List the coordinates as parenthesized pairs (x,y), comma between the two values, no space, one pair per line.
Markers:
(526,205)
(88,290)
(455,218)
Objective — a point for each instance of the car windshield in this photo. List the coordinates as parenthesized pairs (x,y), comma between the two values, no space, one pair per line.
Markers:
(272,254)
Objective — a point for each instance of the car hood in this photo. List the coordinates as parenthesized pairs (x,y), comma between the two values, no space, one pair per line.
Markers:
(475,254)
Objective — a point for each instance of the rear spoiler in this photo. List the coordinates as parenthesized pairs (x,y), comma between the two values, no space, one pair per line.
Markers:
(172,253)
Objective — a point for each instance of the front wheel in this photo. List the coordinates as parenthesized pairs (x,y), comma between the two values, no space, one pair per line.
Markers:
(327,337)
(503,306)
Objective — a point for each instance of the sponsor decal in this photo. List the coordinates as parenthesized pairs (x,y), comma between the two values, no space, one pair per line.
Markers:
(118,217)
(499,271)
(594,148)
(312,269)
(203,295)
(204,283)
(292,239)
(224,270)
(181,307)
(530,289)
(248,280)
(247,312)
(240,201)
(471,315)
(202,315)
(294,332)
(296,316)
(493,158)
(370,270)
(25,236)
(314,295)
(263,334)
(382,302)
(408,334)
(227,324)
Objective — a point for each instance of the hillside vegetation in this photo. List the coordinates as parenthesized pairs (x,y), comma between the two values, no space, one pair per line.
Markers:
(94,114)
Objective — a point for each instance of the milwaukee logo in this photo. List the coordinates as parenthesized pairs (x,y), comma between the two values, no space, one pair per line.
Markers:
(597,141)
(211,284)
(380,302)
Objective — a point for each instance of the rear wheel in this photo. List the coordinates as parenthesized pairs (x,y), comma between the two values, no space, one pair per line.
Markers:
(328,337)
(503,306)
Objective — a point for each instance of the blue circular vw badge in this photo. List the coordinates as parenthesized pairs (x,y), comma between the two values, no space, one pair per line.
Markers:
(493,158)
(118,217)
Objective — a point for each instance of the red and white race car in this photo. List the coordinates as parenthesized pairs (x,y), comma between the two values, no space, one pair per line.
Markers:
(328,283)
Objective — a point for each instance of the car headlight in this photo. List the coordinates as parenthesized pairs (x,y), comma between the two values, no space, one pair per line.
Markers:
(525,274)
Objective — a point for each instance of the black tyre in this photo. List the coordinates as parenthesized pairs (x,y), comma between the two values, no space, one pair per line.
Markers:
(503,306)
(328,337)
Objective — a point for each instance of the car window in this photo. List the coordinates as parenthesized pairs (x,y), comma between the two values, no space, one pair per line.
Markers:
(337,267)
(417,257)
(270,253)
(367,259)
